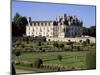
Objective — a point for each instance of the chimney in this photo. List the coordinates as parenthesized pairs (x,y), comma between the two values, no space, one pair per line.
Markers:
(30,22)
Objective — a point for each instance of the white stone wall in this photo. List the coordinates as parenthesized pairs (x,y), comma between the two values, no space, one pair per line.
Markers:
(47,29)
(40,30)
(29,30)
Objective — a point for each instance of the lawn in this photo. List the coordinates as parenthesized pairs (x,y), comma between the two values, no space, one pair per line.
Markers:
(70,59)
(74,56)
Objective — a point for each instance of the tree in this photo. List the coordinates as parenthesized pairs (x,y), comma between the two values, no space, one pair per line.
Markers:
(15,30)
(38,62)
(13,70)
(91,31)
(61,45)
(18,53)
(80,41)
(55,44)
(59,57)
(78,48)
(88,41)
(84,43)
(39,43)
(19,25)
(85,31)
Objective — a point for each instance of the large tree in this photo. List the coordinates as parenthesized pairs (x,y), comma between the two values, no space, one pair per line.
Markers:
(19,25)
(91,31)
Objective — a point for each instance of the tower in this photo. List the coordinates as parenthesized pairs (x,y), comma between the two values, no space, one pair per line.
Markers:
(29,29)
(61,28)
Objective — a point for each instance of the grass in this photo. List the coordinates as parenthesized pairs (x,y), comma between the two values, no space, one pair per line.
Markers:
(76,59)
(69,59)
(31,69)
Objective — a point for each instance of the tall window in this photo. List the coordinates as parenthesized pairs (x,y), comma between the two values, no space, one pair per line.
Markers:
(41,23)
(48,23)
(45,24)
(38,23)
(34,24)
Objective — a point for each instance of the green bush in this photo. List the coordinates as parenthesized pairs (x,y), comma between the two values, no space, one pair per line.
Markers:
(38,62)
(59,57)
(78,48)
(39,43)
(55,44)
(61,45)
(18,53)
(13,72)
(88,41)
(84,43)
(80,41)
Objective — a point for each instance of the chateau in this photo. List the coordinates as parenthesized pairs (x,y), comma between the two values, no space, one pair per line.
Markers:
(62,27)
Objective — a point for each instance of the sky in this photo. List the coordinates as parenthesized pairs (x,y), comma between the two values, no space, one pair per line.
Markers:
(51,11)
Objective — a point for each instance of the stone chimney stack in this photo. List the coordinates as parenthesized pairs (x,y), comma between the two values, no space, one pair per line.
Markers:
(29,21)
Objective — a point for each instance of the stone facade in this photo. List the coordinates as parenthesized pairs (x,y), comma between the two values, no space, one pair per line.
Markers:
(65,26)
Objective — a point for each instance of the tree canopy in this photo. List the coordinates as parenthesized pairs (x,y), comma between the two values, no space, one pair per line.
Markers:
(91,31)
(19,25)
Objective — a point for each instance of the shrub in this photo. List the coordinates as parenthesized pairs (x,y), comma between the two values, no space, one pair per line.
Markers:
(13,70)
(80,41)
(55,44)
(38,62)
(88,41)
(31,65)
(78,48)
(59,57)
(61,45)
(84,43)
(39,44)
(92,44)
(18,53)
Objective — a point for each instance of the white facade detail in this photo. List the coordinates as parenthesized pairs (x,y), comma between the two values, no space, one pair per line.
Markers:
(66,26)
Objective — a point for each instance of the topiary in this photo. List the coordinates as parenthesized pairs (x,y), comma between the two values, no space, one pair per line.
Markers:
(59,57)
(38,62)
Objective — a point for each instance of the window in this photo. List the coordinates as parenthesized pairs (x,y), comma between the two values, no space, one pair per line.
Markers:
(41,24)
(34,24)
(38,24)
(48,23)
(45,24)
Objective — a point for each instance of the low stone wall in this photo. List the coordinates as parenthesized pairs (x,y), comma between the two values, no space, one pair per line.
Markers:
(76,39)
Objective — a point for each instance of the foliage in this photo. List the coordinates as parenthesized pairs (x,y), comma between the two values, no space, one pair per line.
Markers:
(88,41)
(84,43)
(39,43)
(59,57)
(61,45)
(55,44)
(78,48)
(38,62)
(13,70)
(91,31)
(18,53)
(19,25)
(80,41)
